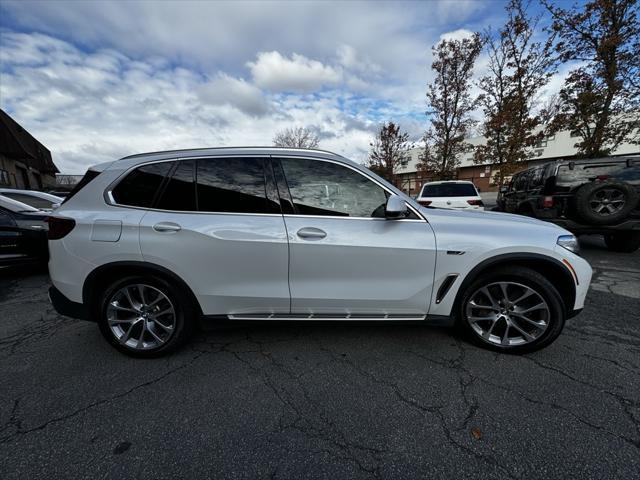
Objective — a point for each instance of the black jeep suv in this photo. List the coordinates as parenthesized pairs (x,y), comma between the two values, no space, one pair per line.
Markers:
(584,196)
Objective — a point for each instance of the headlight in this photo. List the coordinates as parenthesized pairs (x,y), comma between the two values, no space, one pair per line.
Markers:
(570,242)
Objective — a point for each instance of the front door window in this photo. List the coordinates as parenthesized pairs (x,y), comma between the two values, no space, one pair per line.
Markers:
(329,189)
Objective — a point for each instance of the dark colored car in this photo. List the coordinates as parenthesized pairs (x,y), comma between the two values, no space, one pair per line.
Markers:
(23,234)
(590,196)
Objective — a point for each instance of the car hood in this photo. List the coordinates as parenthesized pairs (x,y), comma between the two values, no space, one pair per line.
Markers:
(498,219)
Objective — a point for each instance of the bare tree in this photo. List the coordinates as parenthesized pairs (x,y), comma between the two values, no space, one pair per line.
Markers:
(296,137)
(449,104)
(600,99)
(389,151)
(519,66)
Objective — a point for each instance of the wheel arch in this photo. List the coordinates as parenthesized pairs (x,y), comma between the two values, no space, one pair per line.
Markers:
(551,268)
(104,274)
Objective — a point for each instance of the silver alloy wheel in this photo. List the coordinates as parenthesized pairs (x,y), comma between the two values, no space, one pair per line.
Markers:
(607,201)
(141,317)
(507,314)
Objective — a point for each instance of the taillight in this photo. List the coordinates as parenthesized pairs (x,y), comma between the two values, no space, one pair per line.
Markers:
(476,202)
(60,227)
(547,202)
(424,203)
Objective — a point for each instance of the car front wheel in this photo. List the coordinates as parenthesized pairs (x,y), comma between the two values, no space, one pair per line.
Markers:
(514,310)
(145,316)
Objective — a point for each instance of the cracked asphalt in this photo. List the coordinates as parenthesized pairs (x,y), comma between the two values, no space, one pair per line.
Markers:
(323,401)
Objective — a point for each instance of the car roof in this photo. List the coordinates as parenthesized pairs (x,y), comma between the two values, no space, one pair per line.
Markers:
(218,151)
(16,206)
(440,182)
(34,193)
(140,158)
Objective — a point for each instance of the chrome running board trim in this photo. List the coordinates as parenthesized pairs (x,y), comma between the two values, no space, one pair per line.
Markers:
(326,317)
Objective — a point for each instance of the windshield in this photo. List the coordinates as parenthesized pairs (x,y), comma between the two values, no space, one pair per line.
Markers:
(449,190)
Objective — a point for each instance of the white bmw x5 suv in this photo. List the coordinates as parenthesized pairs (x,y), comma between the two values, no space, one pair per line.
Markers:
(152,246)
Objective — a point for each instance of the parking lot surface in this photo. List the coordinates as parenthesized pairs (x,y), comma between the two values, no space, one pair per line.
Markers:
(302,401)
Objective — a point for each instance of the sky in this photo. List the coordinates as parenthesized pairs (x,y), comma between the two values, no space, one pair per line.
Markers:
(98,80)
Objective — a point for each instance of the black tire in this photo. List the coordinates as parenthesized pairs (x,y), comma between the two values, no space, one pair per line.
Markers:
(625,241)
(589,198)
(525,277)
(185,315)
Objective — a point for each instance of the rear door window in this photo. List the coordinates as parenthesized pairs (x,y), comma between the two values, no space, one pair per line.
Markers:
(180,191)
(139,188)
(233,185)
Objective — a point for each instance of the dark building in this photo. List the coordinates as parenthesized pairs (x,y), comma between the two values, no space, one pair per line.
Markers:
(24,162)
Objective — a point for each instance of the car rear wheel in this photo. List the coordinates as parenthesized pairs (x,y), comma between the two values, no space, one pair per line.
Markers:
(626,242)
(145,316)
(514,310)
(605,203)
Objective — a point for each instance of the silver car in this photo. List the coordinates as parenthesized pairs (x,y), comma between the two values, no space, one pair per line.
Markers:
(152,246)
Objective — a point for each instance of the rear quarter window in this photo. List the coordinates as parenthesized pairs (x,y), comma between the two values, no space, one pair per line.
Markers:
(139,187)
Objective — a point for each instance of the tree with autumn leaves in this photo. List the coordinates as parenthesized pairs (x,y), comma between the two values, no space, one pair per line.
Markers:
(389,151)
(450,105)
(599,101)
(519,66)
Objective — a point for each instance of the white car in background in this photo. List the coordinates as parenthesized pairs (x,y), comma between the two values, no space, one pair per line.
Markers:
(455,194)
(40,200)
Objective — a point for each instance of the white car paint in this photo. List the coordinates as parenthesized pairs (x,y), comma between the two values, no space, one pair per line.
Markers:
(471,201)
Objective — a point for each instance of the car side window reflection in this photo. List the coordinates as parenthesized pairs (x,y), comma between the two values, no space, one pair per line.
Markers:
(325,188)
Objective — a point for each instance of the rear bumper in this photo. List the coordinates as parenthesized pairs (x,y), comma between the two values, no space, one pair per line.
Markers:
(66,307)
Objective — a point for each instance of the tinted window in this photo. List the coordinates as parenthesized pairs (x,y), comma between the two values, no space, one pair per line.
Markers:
(520,181)
(449,190)
(536,178)
(139,188)
(234,185)
(180,192)
(324,188)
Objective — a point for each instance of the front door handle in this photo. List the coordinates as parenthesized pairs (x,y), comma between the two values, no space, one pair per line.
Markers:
(167,227)
(311,233)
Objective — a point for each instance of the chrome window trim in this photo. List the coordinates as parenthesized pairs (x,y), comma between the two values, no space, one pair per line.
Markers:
(109,200)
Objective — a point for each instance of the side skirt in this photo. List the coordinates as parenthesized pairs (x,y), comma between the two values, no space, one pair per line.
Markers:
(316,319)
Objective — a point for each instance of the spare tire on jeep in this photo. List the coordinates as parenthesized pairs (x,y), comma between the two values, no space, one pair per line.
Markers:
(605,203)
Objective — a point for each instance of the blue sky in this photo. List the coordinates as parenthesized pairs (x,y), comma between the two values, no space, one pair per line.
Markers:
(97,80)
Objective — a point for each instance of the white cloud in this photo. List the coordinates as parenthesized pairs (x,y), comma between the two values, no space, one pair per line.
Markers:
(226,90)
(296,74)
(459,34)
(89,108)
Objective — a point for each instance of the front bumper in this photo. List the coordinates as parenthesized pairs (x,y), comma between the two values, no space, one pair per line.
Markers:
(66,307)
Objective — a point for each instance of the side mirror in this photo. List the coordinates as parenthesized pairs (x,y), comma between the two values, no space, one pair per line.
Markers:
(55,205)
(504,189)
(395,208)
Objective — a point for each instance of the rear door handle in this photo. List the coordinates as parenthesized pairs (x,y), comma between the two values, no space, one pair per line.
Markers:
(311,233)
(167,227)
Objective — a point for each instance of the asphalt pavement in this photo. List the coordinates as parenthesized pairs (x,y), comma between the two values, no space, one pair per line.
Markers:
(335,402)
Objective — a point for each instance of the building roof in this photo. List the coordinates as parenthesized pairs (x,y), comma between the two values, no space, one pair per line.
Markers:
(18,144)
